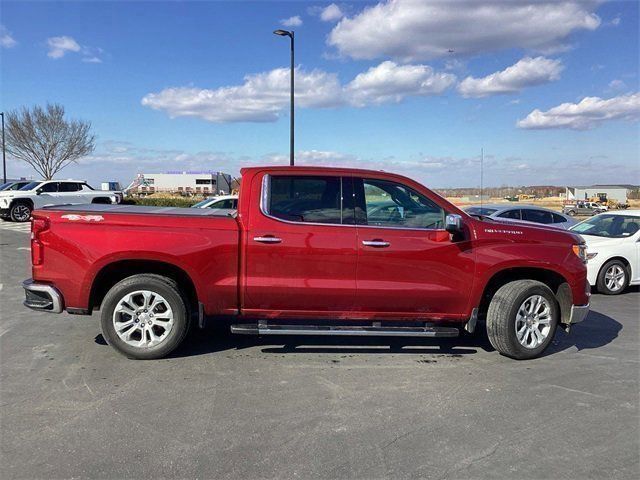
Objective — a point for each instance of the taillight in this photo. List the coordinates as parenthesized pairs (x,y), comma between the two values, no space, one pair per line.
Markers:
(38,225)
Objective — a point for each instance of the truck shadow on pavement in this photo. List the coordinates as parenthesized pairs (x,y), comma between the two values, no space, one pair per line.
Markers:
(596,331)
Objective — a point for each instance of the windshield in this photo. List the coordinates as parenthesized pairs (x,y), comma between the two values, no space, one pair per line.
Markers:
(30,186)
(4,186)
(611,226)
(480,210)
(201,204)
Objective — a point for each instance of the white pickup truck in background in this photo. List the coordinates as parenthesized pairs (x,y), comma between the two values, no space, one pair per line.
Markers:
(17,205)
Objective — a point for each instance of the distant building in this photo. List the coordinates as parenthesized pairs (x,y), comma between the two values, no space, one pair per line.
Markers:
(205,183)
(608,192)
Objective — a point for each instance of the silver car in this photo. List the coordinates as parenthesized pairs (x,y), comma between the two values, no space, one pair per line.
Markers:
(523,213)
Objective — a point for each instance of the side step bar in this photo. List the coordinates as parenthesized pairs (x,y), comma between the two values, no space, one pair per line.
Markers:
(262,328)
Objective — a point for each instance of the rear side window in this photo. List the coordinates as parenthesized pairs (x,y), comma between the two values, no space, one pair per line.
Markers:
(558,218)
(309,199)
(537,216)
(69,187)
(514,214)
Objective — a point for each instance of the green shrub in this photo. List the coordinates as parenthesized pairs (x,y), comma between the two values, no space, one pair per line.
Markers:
(161,201)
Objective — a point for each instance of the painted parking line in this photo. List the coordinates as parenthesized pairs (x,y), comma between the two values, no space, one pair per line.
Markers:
(15,227)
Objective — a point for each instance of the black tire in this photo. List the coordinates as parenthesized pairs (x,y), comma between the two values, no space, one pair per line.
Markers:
(20,212)
(571,213)
(156,284)
(501,318)
(601,283)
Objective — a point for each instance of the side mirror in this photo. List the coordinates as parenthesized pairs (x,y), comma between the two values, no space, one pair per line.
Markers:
(453,224)
(39,191)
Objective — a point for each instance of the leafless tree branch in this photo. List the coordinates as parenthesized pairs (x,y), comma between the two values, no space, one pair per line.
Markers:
(43,138)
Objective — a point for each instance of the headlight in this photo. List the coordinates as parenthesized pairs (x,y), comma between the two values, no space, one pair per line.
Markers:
(591,255)
(581,251)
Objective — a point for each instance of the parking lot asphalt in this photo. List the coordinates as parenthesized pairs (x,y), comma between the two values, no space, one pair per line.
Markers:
(249,407)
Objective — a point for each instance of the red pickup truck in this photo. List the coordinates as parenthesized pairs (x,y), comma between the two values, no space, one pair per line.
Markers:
(310,251)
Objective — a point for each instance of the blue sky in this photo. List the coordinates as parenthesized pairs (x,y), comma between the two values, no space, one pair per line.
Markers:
(548,89)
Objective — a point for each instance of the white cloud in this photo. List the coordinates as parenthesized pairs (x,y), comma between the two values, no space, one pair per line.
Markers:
(422,29)
(331,13)
(263,97)
(59,46)
(616,85)
(295,21)
(389,82)
(6,39)
(588,113)
(525,73)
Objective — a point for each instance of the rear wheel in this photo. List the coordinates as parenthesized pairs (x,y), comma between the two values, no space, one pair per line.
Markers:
(145,317)
(571,213)
(613,278)
(20,212)
(522,319)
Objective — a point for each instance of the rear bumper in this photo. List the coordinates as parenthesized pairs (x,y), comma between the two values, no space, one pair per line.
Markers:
(42,297)
(578,313)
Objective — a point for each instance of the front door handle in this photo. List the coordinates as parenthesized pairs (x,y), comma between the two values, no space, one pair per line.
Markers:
(375,243)
(268,239)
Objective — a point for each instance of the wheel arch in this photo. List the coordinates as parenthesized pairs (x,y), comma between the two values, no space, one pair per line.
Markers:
(554,280)
(118,270)
(102,200)
(26,200)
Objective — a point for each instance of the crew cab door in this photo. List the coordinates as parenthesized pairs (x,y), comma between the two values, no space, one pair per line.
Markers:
(300,246)
(408,265)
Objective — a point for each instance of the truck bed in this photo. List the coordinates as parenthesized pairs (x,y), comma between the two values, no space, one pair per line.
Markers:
(142,210)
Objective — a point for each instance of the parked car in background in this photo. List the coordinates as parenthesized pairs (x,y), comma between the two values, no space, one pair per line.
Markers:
(225,202)
(17,185)
(583,208)
(17,205)
(613,250)
(312,251)
(523,213)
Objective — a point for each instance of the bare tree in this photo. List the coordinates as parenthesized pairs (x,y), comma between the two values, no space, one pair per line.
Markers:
(44,139)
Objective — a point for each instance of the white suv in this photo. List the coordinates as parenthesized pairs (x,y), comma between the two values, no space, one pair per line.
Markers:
(18,204)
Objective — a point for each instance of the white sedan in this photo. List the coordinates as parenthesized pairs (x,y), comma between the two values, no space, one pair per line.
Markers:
(613,250)
(224,202)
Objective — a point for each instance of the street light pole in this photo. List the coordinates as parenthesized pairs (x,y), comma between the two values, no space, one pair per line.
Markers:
(290,34)
(4,158)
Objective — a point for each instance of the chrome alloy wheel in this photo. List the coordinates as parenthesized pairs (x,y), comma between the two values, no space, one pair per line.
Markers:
(143,319)
(614,278)
(21,213)
(533,321)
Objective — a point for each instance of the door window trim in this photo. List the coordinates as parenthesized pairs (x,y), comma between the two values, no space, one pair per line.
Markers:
(265,194)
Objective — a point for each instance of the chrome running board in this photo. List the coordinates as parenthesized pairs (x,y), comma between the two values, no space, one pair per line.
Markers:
(262,328)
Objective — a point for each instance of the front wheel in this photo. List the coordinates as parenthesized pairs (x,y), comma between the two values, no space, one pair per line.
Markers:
(20,212)
(613,278)
(571,213)
(522,319)
(145,317)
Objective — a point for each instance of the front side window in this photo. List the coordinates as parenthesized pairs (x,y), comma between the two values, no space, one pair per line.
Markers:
(513,214)
(390,204)
(49,187)
(308,199)
(226,204)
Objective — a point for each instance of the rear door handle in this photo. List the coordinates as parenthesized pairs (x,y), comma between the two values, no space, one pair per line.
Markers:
(268,239)
(375,243)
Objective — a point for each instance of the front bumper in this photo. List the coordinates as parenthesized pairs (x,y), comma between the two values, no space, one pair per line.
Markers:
(578,313)
(42,297)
